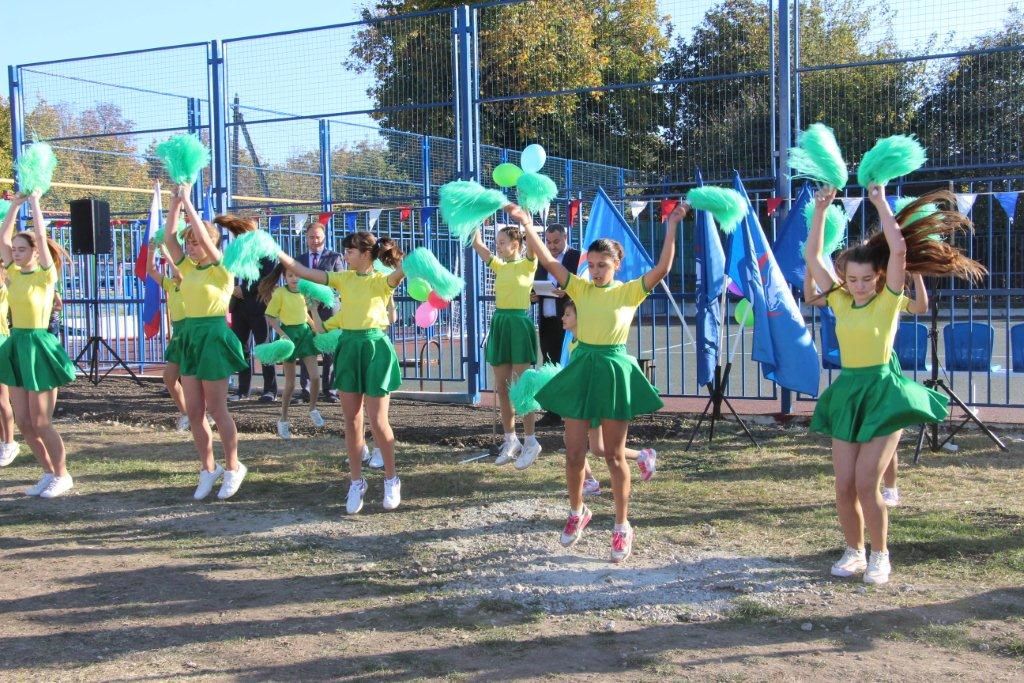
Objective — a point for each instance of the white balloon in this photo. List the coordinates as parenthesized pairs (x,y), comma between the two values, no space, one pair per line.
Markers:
(532,159)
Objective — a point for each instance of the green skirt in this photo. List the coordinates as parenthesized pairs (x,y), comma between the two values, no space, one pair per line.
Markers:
(33,359)
(863,403)
(365,362)
(210,351)
(302,337)
(512,339)
(601,382)
(172,354)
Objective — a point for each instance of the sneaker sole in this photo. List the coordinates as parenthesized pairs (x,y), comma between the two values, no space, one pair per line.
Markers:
(578,536)
(620,560)
(876,582)
(845,573)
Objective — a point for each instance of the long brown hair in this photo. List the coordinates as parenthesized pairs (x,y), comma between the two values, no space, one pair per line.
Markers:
(57,253)
(383,249)
(236,225)
(267,285)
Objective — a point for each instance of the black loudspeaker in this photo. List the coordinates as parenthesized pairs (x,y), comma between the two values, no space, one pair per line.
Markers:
(90,227)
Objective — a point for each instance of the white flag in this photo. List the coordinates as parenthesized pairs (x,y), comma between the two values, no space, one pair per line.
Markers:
(965,202)
(298,222)
(372,216)
(851,204)
(636,208)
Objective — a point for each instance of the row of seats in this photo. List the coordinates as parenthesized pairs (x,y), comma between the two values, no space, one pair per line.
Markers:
(968,345)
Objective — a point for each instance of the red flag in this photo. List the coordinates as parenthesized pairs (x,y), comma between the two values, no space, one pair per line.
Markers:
(773,204)
(667,207)
(324,218)
(404,213)
(574,211)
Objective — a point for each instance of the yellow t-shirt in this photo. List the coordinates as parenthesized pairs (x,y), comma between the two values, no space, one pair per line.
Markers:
(364,299)
(866,333)
(205,290)
(513,281)
(175,306)
(604,314)
(5,308)
(30,295)
(287,306)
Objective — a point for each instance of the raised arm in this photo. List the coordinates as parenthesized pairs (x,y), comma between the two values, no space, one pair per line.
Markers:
(39,230)
(170,243)
(895,270)
(537,246)
(668,248)
(816,238)
(151,268)
(7,230)
(396,276)
(480,248)
(919,304)
(812,296)
(317,276)
(202,235)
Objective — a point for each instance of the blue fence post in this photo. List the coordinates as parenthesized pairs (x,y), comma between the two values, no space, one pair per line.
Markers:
(218,132)
(194,124)
(425,154)
(785,133)
(326,194)
(17,127)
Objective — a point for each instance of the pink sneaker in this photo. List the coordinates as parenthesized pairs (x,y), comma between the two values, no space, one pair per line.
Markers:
(622,545)
(574,527)
(647,462)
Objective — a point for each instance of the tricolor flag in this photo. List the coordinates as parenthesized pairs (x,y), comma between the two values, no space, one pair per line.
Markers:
(151,296)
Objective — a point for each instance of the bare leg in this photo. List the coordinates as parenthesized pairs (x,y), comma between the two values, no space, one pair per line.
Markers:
(289,389)
(172,372)
(41,405)
(6,415)
(502,377)
(216,393)
(613,433)
(314,380)
(195,404)
(529,418)
(871,462)
(575,459)
(890,472)
(23,416)
(377,408)
(851,519)
(352,407)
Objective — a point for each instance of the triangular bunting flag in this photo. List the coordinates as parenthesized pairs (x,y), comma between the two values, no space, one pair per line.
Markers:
(299,222)
(667,207)
(372,216)
(274,223)
(851,204)
(773,204)
(574,211)
(404,213)
(324,218)
(1008,200)
(350,220)
(965,202)
(427,215)
(636,208)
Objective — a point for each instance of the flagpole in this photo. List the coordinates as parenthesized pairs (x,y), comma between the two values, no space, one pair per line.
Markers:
(671,299)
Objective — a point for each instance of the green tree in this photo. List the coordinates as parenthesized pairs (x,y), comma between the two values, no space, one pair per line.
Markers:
(6,155)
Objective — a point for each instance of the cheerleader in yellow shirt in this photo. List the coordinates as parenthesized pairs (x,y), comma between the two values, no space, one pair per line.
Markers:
(176,310)
(33,364)
(288,313)
(366,365)
(8,449)
(512,338)
(603,385)
(210,352)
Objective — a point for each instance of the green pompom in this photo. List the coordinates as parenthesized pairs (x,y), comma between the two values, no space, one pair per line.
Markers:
(35,168)
(5,207)
(274,352)
(535,191)
(184,156)
(318,292)
(890,158)
(835,227)
(242,257)
(726,205)
(381,268)
(328,341)
(158,236)
(523,391)
(817,157)
(465,205)
(421,263)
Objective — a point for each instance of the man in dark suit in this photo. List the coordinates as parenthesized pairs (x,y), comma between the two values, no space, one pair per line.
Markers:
(550,309)
(248,319)
(319,257)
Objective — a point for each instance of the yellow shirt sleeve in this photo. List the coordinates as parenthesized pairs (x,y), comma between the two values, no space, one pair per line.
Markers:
(274,305)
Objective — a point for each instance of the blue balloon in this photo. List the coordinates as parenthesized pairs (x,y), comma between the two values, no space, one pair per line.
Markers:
(532,159)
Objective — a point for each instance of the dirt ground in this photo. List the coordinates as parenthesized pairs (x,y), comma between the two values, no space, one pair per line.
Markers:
(129,579)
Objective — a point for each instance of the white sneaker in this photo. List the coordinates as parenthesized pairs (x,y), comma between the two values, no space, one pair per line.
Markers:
(647,463)
(622,545)
(8,452)
(591,487)
(574,527)
(366,454)
(891,497)
(852,562)
(528,455)
(183,423)
(377,460)
(878,568)
(316,418)
(392,493)
(206,482)
(40,486)
(284,430)
(509,451)
(356,491)
(58,486)
(232,482)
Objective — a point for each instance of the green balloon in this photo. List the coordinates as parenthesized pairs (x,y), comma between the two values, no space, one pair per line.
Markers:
(744,313)
(419,289)
(506,175)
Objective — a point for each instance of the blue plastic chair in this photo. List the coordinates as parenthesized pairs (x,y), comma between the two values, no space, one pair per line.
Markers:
(829,341)
(912,345)
(1017,346)
(968,346)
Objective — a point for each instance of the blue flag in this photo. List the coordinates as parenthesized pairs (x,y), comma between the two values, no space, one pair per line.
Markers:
(789,242)
(707,247)
(564,359)
(830,358)
(782,343)
(1008,200)
(605,221)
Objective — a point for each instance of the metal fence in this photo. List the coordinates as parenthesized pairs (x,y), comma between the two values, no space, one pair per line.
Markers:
(366,120)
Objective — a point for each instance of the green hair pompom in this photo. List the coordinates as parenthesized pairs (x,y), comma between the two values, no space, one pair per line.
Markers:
(274,352)
(726,205)
(318,292)
(817,157)
(535,191)
(5,207)
(523,392)
(420,262)
(381,268)
(35,168)
(328,341)
(890,158)
(835,227)
(465,205)
(242,257)
(184,156)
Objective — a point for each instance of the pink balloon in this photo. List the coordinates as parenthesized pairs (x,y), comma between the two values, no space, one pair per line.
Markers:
(426,315)
(435,300)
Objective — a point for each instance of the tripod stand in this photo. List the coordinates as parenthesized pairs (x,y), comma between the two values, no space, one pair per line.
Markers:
(717,389)
(94,341)
(931,432)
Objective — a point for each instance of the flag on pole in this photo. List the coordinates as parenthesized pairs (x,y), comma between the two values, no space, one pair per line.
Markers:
(707,247)
(782,343)
(605,221)
(789,241)
(151,288)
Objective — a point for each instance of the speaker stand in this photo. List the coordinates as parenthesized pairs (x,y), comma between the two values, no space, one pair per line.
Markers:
(94,341)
